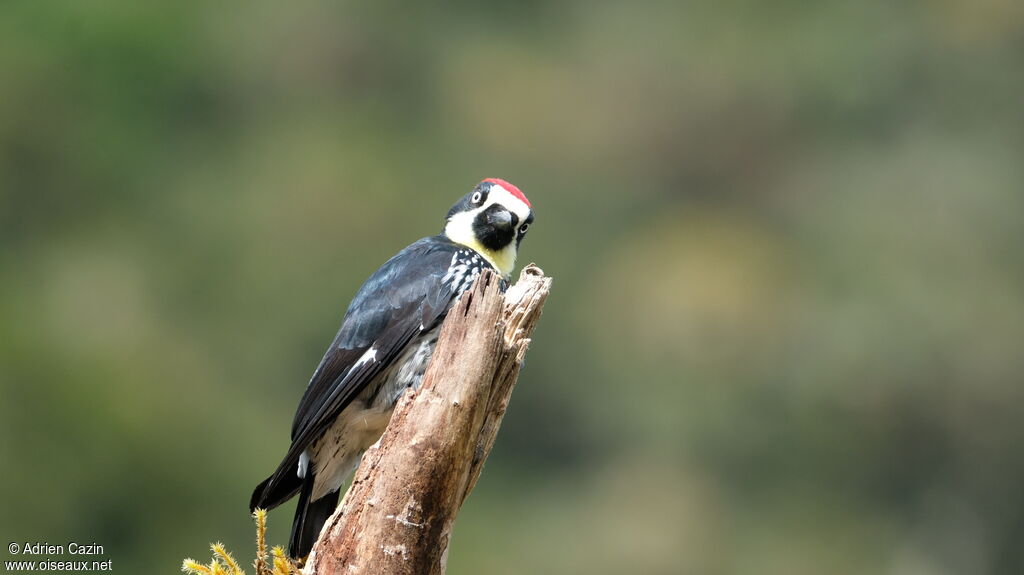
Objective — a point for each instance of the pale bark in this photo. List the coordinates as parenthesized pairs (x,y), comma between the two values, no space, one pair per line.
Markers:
(398,515)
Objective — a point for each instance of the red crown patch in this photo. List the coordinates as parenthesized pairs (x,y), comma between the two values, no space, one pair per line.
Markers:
(510,188)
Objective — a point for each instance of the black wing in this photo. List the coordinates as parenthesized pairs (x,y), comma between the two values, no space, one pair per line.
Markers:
(407,295)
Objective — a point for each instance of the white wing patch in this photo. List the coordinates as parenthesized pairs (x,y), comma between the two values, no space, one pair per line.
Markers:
(367,357)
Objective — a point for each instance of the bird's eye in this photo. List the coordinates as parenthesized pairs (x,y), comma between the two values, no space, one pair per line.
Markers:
(523,228)
(476,198)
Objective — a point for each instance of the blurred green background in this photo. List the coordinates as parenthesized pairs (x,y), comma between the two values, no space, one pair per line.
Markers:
(787,324)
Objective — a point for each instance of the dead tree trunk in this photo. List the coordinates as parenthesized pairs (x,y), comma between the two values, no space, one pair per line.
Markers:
(397,517)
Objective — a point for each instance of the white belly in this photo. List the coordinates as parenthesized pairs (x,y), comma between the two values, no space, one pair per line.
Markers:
(336,454)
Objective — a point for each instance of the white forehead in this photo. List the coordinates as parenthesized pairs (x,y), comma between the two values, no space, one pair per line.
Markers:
(499,195)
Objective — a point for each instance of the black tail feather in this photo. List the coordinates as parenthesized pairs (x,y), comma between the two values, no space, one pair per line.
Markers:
(310,517)
(280,490)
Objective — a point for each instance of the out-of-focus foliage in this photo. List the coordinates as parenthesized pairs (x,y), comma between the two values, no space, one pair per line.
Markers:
(274,562)
(787,325)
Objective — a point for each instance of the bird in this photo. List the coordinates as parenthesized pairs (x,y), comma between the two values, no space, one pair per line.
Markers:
(383,347)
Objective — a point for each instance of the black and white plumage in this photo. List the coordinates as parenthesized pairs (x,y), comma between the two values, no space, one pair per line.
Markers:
(383,347)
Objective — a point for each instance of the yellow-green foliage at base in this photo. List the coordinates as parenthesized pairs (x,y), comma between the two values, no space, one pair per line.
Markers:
(223,563)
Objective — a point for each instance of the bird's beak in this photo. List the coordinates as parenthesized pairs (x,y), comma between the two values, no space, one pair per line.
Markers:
(500,218)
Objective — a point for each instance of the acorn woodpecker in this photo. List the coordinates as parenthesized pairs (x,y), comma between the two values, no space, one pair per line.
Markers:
(383,347)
